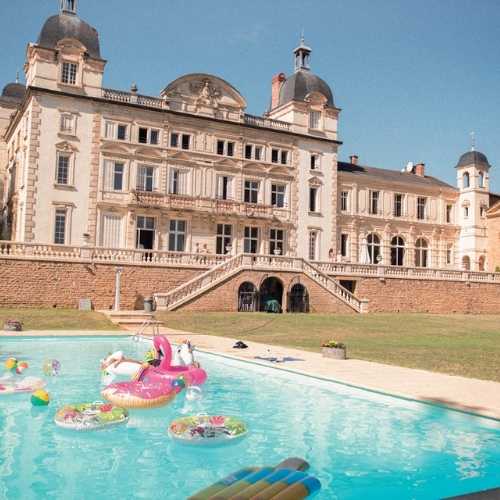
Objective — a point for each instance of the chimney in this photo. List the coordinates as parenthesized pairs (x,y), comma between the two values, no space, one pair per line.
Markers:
(420,169)
(354,159)
(276,83)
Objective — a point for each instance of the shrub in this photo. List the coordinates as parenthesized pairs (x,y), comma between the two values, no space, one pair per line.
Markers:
(333,344)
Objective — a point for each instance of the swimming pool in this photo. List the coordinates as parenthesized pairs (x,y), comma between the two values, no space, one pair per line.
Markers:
(359,444)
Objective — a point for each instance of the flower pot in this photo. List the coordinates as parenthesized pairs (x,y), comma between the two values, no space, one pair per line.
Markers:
(333,352)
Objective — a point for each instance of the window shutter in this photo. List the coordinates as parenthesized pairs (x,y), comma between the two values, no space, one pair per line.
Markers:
(140,178)
(111,231)
(229,188)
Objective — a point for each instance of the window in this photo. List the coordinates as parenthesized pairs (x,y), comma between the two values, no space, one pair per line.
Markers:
(145,233)
(344,238)
(466,263)
(421,250)
(279,156)
(398,205)
(313,199)
(373,243)
(251,191)
(313,243)
(224,240)
(177,236)
(67,123)
(449,253)
(314,161)
(276,242)
(148,135)
(253,152)
(344,201)
(118,131)
(482,210)
(466,180)
(180,140)
(481,263)
(251,240)
(68,73)
(60,226)
(114,175)
(118,171)
(421,203)
(63,168)
(145,178)
(224,184)
(278,195)
(374,196)
(397,251)
(481,180)
(449,209)
(225,148)
(314,119)
(466,212)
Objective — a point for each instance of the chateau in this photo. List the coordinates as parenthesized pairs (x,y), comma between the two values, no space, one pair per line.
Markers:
(188,180)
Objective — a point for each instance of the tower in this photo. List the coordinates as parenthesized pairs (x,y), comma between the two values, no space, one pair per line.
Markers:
(473,202)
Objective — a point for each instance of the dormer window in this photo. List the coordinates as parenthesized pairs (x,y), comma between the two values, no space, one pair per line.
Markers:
(68,73)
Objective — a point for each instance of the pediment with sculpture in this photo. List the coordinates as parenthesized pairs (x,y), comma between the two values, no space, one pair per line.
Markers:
(205,94)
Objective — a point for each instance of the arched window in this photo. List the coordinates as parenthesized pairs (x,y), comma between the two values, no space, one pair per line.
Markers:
(421,253)
(481,263)
(466,180)
(481,180)
(466,263)
(373,243)
(298,299)
(397,251)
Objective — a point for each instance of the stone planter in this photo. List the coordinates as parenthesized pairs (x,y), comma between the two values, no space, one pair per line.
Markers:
(12,326)
(333,352)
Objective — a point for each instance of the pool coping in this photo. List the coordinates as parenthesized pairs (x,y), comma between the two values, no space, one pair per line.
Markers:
(93,335)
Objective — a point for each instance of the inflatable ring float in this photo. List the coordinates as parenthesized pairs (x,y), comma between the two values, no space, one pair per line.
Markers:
(90,416)
(14,385)
(205,429)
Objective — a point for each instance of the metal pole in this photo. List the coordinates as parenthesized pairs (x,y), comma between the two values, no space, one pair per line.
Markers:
(118,273)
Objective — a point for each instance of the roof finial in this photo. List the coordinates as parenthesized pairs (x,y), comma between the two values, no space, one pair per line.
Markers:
(302,41)
(17,76)
(68,6)
(472,141)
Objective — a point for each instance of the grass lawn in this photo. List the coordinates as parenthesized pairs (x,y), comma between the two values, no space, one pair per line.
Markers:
(456,344)
(57,319)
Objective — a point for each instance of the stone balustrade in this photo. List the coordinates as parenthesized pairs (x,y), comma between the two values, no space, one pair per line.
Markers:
(380,271)
(146,199)
(159,103)
(38,251)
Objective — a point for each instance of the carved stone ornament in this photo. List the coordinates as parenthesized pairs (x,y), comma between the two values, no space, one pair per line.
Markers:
(207,95)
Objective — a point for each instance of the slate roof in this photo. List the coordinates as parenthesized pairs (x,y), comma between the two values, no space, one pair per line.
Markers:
(66,25)
(13,92)
(473,158)
(390,176)
(302,83)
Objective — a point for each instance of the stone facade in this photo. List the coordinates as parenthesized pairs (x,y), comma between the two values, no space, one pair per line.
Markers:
(493,217)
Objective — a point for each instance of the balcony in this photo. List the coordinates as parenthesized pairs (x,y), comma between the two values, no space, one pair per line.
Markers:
(146,199)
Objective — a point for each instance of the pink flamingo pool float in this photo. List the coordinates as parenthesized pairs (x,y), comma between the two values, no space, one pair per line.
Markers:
(155,385)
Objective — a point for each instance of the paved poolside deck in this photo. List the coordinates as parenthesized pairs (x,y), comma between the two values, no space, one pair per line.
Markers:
(466,394)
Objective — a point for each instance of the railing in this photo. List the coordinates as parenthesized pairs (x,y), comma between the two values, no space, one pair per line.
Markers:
(10,249)
(184,291)
(224,270)
(259,121)
(346,269)
(156,102)
(133,98)
(211,205)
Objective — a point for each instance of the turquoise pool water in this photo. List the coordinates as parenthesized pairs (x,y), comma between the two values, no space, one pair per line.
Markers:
(360,445)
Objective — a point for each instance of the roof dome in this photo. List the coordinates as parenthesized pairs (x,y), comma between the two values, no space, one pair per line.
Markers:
(14,91)
(302,83)
(473,158)
(68,25)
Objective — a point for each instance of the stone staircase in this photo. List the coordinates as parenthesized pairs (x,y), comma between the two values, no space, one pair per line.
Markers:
(251,262)
(131,320)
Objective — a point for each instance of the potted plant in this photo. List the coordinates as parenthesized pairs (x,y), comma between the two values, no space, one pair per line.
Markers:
(333,349)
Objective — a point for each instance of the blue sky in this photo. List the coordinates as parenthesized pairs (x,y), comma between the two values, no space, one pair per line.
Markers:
(413,78)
